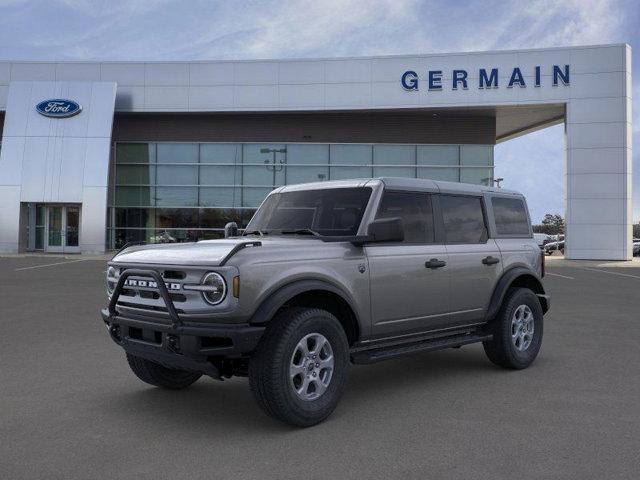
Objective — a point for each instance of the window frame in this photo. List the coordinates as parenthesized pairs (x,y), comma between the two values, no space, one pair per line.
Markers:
(485,219)
(494,226)
(438,232)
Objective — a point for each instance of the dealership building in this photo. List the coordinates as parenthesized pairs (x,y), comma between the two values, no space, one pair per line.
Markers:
(98,154)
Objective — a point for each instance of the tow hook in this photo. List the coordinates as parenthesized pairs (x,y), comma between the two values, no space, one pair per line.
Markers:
(173,343)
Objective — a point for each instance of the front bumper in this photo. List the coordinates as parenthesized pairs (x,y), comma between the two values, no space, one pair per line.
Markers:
(176,344)
(185,347)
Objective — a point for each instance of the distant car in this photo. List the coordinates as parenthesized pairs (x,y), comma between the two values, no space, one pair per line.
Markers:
(164,237)
(541,239)
(636,247)
(551,247)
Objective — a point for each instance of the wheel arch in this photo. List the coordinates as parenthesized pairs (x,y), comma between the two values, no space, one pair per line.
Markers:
(516,277)
(312,294)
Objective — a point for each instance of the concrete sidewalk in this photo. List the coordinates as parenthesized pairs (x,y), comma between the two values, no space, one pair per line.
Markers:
(560,261)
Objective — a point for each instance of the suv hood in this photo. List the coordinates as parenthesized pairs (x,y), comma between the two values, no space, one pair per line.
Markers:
(206,252)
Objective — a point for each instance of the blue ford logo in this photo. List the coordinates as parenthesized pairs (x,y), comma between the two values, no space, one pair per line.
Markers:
(58,108)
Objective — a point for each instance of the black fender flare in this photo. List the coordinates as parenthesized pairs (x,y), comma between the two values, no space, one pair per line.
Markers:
(507,279)
(282,295)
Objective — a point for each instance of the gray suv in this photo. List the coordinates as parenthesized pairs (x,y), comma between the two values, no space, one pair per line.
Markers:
(330,273)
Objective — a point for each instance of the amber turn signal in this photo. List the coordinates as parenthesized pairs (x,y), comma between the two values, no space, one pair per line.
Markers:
(236,287)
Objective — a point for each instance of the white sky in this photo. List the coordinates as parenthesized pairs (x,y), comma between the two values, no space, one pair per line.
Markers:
(241,29)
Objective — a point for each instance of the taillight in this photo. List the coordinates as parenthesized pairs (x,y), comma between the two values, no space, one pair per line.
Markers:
(542,263)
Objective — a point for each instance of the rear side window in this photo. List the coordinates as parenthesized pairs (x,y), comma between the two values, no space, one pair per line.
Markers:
(463,219)
(511,216)
(415,211)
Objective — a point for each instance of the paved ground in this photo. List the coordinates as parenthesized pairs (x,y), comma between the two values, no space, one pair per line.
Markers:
(70,408)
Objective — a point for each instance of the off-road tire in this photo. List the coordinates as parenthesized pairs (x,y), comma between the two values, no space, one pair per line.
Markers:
(159,375)
(269,376)
(501,349)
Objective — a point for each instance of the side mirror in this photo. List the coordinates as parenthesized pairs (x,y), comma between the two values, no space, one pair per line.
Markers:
(386,230)
(231,230)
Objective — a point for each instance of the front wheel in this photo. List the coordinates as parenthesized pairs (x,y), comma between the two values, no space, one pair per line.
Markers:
(517,330)
(298,371)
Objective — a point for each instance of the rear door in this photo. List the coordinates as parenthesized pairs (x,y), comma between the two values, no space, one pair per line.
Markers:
(475,263)
(409,279)
(512,230)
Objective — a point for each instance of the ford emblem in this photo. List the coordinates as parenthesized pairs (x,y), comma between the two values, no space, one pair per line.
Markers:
(58,108)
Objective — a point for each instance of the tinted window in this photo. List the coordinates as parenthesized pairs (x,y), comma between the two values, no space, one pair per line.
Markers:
(511,216)
(463,219)
(415,211)
(330,211)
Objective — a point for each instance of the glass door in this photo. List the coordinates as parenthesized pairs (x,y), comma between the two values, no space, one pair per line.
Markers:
(55,229)
(62,229)
(72,229)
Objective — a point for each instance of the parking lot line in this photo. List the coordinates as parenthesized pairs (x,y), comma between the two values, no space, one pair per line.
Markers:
(48,265)
(558,275)
(611,273)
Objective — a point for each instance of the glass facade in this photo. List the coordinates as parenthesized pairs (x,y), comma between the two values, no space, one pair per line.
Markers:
(188,191)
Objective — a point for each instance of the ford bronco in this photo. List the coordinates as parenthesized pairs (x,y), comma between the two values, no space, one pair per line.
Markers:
(331,273)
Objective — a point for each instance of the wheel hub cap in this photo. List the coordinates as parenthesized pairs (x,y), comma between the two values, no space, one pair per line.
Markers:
(311,366)
(522,327)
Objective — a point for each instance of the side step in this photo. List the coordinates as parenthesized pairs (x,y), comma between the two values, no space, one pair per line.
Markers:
(384,353)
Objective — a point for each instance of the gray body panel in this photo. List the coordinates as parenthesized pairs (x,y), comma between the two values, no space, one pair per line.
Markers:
(387,286)
(406,296)
(471,281)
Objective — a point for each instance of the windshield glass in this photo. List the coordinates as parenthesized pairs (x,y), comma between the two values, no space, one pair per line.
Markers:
(328,212)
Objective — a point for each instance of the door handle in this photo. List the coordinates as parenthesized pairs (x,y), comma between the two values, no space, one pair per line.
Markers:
(490,260)
(435,263)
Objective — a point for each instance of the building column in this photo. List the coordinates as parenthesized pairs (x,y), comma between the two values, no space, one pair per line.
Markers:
(9,218)
(598,201)
(93,220)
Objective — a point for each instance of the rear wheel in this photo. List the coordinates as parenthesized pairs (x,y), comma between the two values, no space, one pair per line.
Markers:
(159,375)
(298,371)
(517,330)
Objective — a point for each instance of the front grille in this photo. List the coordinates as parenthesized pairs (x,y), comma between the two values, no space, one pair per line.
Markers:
(154,308)
(178,297)
(173,275)
(138,294)
(148,294)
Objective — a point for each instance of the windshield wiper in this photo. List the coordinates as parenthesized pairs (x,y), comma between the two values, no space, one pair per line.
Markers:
(301,231)
(255,232)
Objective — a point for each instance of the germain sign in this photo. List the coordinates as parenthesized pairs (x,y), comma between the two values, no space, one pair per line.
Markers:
(487,78)
(58,108)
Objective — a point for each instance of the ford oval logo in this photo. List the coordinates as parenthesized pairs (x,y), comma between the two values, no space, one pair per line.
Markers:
(58,108)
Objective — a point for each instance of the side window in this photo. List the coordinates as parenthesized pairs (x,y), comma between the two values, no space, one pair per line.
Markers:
(415,211)
(511,216)
(463,219)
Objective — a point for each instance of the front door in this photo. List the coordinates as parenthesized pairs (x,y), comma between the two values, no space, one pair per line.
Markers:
(62,229)
(409,279)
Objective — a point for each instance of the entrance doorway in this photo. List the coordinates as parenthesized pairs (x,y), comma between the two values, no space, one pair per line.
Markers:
(56,228)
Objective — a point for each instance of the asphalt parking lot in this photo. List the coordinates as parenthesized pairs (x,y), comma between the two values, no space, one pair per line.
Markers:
(72,409)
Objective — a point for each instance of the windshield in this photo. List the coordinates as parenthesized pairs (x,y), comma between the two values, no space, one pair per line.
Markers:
(327,212)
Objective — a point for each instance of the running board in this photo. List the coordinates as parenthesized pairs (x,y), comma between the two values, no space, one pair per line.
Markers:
(384,353)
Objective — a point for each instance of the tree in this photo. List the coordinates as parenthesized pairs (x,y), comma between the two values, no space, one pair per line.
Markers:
(552,224)
(636,230)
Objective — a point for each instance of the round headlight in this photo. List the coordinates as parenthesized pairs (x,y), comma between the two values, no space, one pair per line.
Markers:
(215,288)
(111,280)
